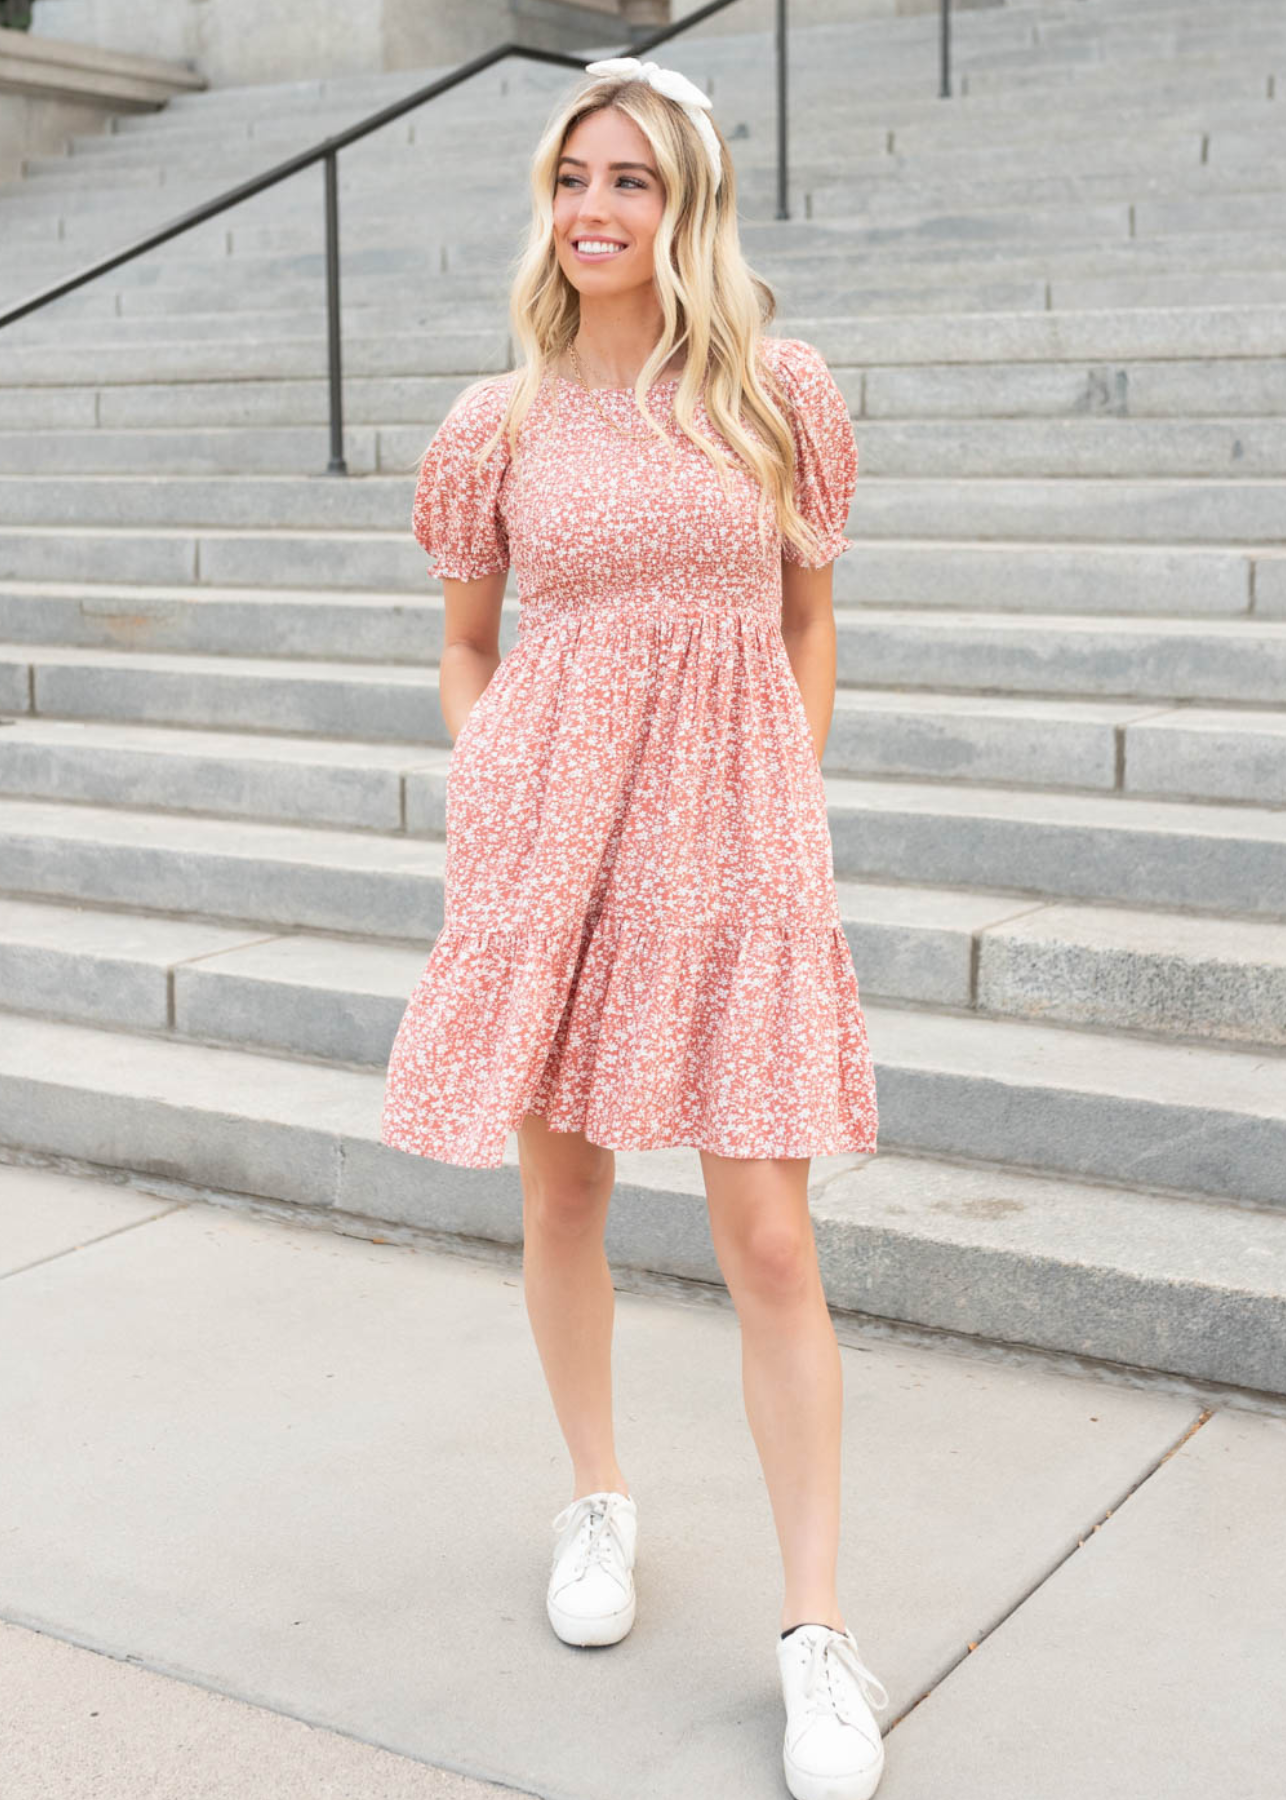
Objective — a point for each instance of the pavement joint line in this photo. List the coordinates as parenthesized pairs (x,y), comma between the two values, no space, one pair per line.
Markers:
(854,1330)
(318,1722)
(98,1237)
(1203,1418)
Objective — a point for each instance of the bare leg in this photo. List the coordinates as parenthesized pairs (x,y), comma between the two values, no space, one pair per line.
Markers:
(790,1362)
(567,1284)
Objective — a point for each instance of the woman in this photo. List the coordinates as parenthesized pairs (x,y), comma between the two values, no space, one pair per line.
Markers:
(641,942)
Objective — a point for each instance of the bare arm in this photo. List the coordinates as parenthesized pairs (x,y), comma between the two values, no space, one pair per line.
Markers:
(470,644)
(808,628)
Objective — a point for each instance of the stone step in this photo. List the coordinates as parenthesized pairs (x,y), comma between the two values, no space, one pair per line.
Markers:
(1115,968)
(291,502)
(1222,287)
(271,223)
(1190,165)
(813,263)
(1099,447)
(1089,1105)
(95,320)
(233,870)
(1148,40)
(1084,1103)
(1111,849)
(1177,753)
(215,450)
(93,222)
(1142,172)
(1036,843)
(1159,659)
(962,575)
(193,312)
(1049,78)
(367,560)
(1139,748)
(370,176)
(475,267)
(269,776)
(343,699)
(1062,577)
(1232,659)
(420,400)
(233,621)
(883,74)
(1178,393)
(1165,158)
(465,351)
(1111,446)
(1202,510)
(1102,446)
(230,268)
(1193,1287)
(891,167)
(1161,510)
(901,126)
(1148,217)
(92,232)
(880,74)
(288,308)
(1203,401)
(1212,95)
(474,260)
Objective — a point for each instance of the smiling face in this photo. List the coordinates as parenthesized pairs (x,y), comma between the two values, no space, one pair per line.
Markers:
(607,191)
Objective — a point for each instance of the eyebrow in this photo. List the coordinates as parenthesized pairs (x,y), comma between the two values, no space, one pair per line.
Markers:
(620,165)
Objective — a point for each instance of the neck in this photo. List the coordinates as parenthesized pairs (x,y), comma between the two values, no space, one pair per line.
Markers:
(613,343)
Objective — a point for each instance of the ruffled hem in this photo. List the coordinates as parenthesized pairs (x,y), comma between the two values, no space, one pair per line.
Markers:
(745,1040)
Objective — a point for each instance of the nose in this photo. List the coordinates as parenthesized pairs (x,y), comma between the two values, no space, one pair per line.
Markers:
(592,203)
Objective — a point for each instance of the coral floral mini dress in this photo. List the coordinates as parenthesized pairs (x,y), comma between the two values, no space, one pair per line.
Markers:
(641,937)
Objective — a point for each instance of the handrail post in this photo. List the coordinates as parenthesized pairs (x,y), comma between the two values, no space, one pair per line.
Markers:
(945,88)
(783,209)
(336,465)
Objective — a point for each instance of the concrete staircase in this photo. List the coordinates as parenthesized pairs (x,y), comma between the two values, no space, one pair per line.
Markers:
(1057,770)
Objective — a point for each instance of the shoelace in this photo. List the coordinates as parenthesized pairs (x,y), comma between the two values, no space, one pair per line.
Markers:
(817,1688)
(600,1517)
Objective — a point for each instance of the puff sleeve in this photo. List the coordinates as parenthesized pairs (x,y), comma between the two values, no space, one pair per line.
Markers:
(825,449)
(456,513)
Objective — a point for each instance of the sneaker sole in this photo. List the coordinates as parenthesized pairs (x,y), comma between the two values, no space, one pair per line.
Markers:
(609,1629)
(804,1785)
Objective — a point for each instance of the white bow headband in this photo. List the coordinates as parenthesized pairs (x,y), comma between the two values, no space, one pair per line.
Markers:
(675,87)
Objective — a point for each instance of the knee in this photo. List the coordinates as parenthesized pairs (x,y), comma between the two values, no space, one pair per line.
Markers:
(565,1208)
(776,1261)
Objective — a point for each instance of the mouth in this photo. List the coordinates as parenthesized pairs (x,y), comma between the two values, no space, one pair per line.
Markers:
(597,249)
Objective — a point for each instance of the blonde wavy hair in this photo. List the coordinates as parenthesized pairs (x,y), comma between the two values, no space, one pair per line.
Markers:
(712,302)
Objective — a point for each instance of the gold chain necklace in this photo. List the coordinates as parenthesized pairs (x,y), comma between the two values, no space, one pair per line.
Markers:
(580,375)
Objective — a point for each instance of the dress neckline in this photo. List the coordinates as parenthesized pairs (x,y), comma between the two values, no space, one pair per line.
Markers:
(571,381)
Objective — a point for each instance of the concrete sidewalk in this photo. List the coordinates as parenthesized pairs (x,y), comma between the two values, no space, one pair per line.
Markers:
(275,1520)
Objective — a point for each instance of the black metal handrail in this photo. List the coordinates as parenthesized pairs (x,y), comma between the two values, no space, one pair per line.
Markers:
(327,152)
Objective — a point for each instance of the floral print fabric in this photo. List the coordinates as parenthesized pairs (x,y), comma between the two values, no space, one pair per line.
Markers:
(641,936)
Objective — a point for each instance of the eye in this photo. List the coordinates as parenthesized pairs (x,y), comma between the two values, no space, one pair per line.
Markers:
(634,180)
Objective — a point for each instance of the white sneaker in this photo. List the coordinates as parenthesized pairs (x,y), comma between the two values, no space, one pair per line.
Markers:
(591,1587)
(832,1749)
